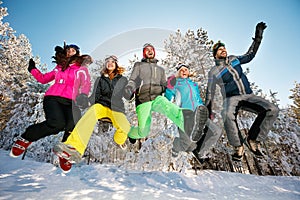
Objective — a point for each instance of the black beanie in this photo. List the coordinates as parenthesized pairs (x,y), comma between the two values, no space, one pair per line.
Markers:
(181,65)
(216,47)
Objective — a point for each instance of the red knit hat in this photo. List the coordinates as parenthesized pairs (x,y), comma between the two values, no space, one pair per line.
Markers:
(144,49)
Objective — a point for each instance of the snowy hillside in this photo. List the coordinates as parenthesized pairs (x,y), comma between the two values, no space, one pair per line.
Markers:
(28,179)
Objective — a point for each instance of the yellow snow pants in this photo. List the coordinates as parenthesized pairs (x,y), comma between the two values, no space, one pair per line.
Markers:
(83,130)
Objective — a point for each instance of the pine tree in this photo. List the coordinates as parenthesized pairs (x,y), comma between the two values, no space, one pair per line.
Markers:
(295,108)
(20,93)
(15,51)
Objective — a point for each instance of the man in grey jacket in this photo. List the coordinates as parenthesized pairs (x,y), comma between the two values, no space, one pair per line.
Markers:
(148,82)
(237,94)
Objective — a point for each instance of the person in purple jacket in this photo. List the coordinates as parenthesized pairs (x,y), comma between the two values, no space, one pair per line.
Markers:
(63,98)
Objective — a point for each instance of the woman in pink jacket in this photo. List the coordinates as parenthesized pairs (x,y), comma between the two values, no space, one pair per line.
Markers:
(63,98)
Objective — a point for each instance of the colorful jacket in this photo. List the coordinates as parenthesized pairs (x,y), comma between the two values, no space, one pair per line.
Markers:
(229,75)
(185,92)
(109,93)
(68,84)
(148,80)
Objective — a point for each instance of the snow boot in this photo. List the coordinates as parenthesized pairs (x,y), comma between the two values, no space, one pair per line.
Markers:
(65,165)
(19,147)
(132,140)
(200,158)
(201,116)
(174,153)
(67,152)
(120,137)
(123,146)
(238,153)
(254,147)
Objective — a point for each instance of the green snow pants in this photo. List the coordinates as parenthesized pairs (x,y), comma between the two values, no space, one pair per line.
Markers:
(144,113)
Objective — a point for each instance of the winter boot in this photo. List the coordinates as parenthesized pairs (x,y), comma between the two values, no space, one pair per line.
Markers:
(65,165)
(175,153)
(238,153)
(199,158)
(254,147)
(192,147)
(123,146)
(67,152)
(120,137)
(19,147)
(132,140)
(201,116)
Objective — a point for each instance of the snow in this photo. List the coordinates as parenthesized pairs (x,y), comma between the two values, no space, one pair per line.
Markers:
(28,179)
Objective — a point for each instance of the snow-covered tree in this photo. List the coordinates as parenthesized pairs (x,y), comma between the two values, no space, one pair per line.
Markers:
(295,108)
(21,105)
(19,92)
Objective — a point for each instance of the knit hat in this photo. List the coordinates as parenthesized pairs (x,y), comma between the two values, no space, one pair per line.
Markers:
(144,49)
(74,47)
(216,47)
(180,65)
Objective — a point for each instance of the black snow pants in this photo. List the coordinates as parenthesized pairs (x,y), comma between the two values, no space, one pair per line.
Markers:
(61,115)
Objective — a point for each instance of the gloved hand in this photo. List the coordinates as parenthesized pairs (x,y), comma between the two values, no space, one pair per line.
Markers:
(31,65)
(128,92)
(59,49)
(212,116)
(82,101)
(260,27)
(171,82)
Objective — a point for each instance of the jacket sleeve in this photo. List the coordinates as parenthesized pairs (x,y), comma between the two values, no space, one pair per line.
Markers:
(92,98)
(210,91)
(199,95)
(170,94)
(44,78)
(251,52)
(120,86)
(163,79)
(134,76)
(170,88)
(84,78)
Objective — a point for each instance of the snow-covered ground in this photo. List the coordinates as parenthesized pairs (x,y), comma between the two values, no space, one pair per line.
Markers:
(27,179)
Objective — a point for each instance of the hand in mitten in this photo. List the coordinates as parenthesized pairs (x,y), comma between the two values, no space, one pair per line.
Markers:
(212,116)
(31,65)
(171,82)
(260,27)
(128,92)
(59,49)
(82,101)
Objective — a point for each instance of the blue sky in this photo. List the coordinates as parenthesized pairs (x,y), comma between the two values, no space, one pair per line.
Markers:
(90,23)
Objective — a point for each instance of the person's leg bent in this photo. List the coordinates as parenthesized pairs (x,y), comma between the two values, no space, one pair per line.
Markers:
(170,110)
(54,123)
(229,112)
(122,126)
(211,137)
(83,130)
(143,112)
(72,115)
(266,115)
